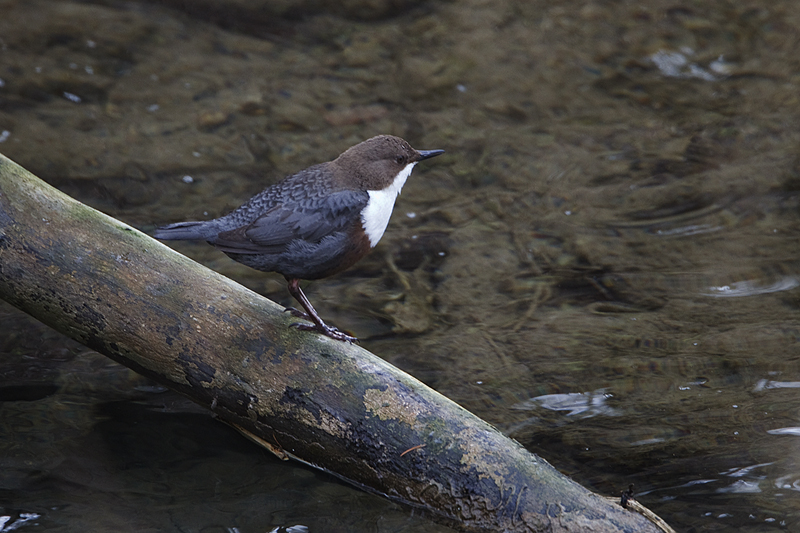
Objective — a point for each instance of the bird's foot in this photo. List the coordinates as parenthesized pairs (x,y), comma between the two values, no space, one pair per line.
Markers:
(297,313)
(326,330)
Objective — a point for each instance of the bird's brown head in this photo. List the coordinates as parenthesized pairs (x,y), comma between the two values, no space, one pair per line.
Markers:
(376,163)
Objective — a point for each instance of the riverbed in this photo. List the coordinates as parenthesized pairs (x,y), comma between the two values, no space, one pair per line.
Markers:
(604,263)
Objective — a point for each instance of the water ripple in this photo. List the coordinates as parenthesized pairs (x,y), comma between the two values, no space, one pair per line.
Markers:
(577,403)
(752,288)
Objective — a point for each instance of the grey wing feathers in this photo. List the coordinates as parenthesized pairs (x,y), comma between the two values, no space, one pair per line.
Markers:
(309,221)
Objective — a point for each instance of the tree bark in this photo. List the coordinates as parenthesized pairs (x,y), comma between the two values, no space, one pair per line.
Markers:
(328,404)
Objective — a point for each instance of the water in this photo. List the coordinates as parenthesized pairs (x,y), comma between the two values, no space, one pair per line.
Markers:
(603,264)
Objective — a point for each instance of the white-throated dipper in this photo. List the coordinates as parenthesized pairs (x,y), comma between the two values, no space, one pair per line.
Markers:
(315,223)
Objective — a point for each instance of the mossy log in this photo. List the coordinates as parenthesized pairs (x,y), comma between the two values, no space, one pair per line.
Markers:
(329,404)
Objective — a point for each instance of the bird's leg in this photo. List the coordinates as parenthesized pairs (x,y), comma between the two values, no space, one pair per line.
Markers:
(311,315)
(294,290)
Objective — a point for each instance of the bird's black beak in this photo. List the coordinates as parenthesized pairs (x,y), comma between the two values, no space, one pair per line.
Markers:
(427,154)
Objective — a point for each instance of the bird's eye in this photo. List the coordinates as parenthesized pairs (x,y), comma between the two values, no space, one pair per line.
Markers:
(400,159)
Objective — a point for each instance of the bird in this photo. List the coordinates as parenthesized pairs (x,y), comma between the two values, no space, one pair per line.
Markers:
(315,223)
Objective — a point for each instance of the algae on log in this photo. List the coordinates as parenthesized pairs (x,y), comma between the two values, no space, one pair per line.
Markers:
(326,403)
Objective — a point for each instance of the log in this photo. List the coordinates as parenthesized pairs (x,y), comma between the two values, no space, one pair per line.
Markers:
(329,404)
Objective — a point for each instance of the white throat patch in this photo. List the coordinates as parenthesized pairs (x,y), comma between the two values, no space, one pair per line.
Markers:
(375,217)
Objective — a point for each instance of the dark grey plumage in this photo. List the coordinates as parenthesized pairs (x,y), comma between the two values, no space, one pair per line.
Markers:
(315,223)
(297,227)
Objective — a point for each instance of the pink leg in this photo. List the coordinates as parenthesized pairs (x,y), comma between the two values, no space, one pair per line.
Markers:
(311,315)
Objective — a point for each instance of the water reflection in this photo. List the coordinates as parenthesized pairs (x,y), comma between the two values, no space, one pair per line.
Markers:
(677,65)
(785,431)
(586,404)
(766,384)
(16,521)
(605,263)
(753,287)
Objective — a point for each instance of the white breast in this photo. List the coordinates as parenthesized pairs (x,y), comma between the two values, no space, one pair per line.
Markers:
(375,217)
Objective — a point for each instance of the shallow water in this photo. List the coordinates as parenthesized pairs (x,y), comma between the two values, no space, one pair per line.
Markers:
(604,263)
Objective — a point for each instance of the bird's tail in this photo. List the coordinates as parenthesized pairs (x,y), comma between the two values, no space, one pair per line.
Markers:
(186,231)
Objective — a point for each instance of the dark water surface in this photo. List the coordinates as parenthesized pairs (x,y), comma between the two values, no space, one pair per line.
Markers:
(604,264)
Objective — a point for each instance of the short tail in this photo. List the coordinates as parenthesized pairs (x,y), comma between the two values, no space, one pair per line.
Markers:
(187,231)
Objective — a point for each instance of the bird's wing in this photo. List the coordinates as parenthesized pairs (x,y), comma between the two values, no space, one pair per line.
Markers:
(309,221)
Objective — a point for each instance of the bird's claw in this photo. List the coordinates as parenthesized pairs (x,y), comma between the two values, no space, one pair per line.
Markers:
(297,313)
(326,330)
